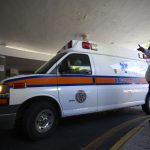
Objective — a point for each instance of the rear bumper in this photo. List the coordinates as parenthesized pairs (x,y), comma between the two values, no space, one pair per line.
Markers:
(8,116)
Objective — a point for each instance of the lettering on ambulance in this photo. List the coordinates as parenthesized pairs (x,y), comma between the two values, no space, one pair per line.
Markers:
(125,80)
(129,80)
(119,80)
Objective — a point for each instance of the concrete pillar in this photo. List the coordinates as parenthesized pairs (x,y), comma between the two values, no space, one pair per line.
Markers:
(2,67)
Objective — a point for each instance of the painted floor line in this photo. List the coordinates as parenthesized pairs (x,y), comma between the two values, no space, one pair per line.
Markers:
(118,145)
(98,141)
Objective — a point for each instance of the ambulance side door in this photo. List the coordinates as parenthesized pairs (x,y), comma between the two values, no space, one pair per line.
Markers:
(76,88)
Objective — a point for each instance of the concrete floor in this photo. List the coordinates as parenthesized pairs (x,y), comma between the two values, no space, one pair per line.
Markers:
(72,133)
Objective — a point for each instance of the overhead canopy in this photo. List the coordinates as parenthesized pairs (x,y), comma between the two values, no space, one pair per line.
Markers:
(47,25)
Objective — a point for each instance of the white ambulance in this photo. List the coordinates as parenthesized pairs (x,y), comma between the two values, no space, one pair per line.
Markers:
(82,78)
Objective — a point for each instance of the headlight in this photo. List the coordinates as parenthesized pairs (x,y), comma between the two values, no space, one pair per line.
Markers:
(1,88)
(4,89)
(4,95)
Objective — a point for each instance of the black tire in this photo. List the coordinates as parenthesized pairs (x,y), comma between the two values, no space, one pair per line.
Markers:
(18,126)
(146,106)
(34,120)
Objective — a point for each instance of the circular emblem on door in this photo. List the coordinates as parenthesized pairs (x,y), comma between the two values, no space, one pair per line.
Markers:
(80,96)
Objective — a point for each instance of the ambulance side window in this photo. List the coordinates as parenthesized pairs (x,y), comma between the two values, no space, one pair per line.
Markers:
(54,71)
(75,64)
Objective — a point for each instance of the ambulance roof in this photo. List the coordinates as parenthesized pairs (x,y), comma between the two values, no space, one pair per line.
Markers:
(103,49)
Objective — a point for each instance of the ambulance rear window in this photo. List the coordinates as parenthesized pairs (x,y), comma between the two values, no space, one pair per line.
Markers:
(49,64)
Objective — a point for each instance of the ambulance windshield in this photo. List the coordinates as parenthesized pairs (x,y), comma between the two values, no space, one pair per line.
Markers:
(43,69)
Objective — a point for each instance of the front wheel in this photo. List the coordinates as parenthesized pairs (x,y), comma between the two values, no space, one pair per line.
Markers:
(40,120)
(146,106)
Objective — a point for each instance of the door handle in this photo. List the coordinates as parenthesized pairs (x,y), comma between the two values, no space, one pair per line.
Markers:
(94,80)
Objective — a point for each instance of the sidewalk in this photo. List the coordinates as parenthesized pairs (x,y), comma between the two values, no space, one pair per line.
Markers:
(140,141)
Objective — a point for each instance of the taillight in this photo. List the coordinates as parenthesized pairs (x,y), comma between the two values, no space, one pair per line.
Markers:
(86,45)
(19,85)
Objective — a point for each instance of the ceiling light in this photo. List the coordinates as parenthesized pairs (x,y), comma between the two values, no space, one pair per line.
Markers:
(26,50)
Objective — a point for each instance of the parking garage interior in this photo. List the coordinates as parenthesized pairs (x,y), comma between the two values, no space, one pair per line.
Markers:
(32,32)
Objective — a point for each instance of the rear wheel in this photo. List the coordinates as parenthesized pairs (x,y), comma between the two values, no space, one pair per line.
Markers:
(40,120)
(146,106)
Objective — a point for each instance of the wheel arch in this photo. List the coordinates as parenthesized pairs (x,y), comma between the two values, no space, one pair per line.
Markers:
(35,99)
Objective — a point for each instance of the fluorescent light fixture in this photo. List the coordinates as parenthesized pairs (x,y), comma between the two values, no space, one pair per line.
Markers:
(27,50)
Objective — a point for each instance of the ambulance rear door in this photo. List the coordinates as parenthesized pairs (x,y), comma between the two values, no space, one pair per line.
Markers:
(111,80)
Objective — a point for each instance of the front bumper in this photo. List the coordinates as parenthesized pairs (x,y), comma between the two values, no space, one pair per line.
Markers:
(8,116)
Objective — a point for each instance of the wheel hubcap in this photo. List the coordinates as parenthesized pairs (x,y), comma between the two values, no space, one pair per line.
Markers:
(44,120)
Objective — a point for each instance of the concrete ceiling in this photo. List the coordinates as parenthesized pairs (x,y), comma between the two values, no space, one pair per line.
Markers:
(47,25)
